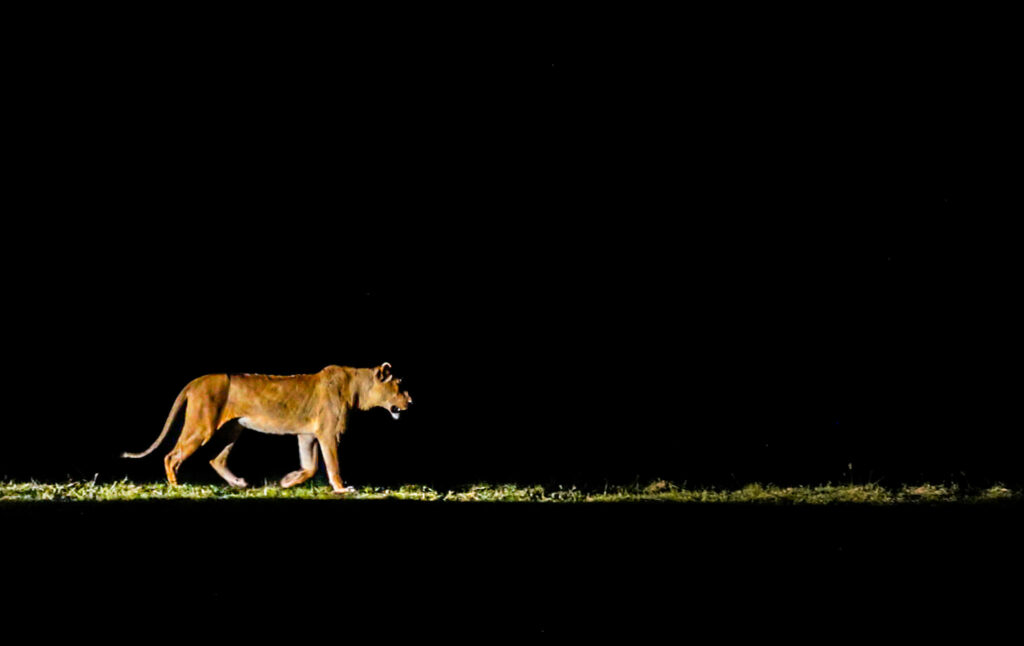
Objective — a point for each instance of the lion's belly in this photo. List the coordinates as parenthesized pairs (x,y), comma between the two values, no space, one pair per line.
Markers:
(274,427)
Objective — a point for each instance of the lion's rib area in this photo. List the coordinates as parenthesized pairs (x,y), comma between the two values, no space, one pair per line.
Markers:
(274,404)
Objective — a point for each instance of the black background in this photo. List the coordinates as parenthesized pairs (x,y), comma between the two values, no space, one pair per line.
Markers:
(717,265)
(739,256)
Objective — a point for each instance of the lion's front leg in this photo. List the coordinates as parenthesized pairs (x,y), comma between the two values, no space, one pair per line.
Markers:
(307,458)
(329,448)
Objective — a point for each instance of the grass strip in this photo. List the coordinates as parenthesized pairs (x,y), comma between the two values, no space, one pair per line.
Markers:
(658,491)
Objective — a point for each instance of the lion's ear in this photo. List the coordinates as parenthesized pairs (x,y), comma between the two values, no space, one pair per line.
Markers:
(383,372)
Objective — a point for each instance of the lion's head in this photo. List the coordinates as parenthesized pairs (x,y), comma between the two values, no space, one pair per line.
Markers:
(385,392)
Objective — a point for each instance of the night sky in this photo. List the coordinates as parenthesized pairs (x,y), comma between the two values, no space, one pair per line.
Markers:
(590,271)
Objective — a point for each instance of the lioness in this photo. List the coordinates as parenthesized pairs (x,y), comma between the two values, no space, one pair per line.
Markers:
(314,407)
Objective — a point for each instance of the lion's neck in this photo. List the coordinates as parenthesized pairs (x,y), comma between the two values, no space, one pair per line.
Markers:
(360,384)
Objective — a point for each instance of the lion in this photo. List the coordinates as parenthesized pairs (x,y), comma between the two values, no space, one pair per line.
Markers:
(313,406)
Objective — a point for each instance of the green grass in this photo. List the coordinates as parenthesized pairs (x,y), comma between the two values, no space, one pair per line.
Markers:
(659,491)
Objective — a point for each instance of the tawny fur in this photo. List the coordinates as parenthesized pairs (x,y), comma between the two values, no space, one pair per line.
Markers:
(315,407)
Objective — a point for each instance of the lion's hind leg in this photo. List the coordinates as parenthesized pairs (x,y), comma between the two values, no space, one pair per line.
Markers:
(171,463)
(228,433)
(205,402)
(187,444)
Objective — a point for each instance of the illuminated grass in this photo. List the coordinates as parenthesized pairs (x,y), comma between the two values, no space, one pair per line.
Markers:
(659,491)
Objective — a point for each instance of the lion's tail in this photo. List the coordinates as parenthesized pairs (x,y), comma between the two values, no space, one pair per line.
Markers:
(182,396)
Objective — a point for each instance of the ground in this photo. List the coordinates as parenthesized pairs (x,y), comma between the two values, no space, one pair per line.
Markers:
(659,490)
(261,562)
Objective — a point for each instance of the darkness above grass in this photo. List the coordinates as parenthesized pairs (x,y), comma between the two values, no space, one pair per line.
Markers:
(586,274)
